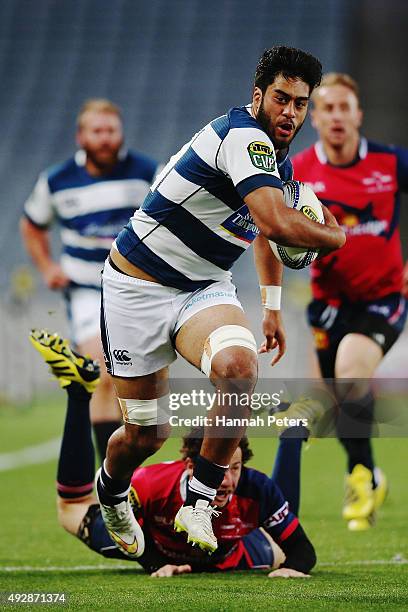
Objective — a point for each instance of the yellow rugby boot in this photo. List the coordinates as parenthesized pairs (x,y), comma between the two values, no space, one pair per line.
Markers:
(359,498)
(362,524)
(65,364)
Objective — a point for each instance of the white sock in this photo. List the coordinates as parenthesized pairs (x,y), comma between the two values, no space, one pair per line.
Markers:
(201,489)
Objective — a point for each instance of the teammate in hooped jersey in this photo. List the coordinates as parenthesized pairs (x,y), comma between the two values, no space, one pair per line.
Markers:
(219,193)
(91,196)
(358,308)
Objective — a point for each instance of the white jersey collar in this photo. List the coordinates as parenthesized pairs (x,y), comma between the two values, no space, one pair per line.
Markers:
(80,158)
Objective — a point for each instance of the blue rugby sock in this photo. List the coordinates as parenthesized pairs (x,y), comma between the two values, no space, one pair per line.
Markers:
(286,470)
(76,464)
(207,478)
(111,491)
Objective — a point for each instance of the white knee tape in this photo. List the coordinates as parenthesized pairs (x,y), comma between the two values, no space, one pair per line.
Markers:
(225,337)
(145,412)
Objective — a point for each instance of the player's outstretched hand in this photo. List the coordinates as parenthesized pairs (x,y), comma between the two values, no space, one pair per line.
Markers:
(287,572)
(171,570)
(274,333)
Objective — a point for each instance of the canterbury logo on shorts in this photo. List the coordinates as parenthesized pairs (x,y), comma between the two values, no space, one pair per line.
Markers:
(121,355)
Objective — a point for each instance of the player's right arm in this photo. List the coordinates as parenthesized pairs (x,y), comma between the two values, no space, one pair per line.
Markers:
(37,244)
(248,157)
(289,227)
(38,214)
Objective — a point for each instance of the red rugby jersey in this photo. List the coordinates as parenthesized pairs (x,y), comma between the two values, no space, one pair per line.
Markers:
(364,198)
(160,491)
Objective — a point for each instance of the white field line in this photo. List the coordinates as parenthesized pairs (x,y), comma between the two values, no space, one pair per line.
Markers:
(75,568)
(399,561)
(31,455)
(92,568)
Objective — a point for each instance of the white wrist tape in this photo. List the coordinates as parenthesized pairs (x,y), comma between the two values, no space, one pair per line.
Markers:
(271,296)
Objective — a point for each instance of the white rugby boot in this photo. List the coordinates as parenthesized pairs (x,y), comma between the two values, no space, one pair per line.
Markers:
(196,522)
(122,526)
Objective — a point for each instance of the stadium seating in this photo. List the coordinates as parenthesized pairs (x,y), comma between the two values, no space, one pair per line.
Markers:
(171,66)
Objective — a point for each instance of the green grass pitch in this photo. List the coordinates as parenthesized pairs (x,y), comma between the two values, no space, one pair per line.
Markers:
(357,571)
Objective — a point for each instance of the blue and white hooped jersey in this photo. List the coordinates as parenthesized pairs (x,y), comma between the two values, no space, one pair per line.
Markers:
(194,224)
(90,210)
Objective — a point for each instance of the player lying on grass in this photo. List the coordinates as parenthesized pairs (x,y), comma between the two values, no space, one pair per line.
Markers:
(255,525)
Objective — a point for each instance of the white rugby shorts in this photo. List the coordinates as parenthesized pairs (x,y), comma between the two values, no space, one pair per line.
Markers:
(139,320)
(83,310)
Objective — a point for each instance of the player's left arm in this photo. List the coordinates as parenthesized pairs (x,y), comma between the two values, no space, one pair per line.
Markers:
(299,551)
(270,273)
(278,521)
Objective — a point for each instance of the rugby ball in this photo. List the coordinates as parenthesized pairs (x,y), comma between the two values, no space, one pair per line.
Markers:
(302,197)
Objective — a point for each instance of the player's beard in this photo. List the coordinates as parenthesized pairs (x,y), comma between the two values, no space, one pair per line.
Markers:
(103,161)
(265,121)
